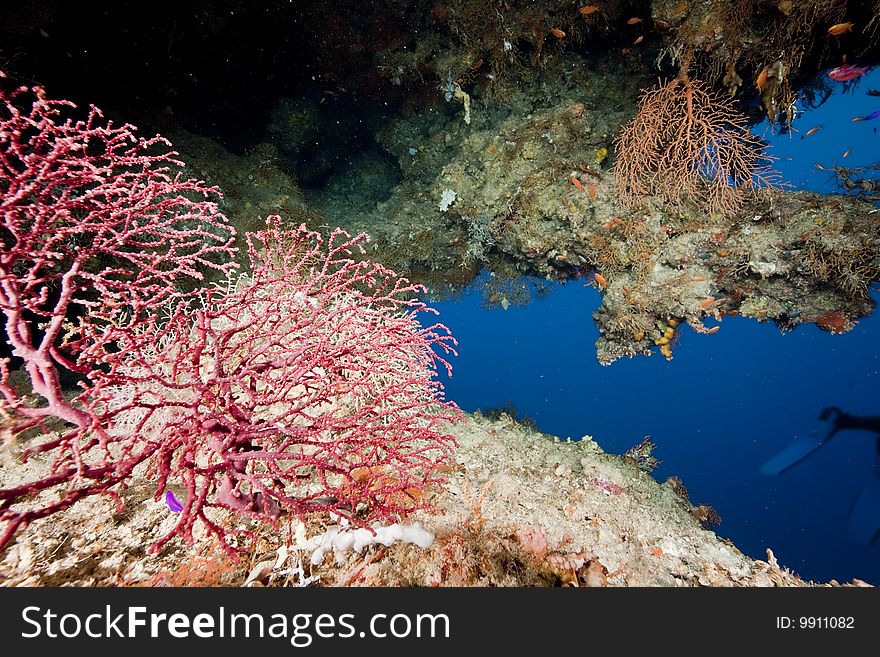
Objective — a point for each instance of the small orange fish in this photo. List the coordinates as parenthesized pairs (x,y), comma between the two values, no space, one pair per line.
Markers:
(813,131)
(656,552)
(589,9)
(601,281)
(762,79)
(697,279)
(847,152)
(577,183)
(555,31)
(712,330)
(708,301)
(840,28)
(639,40)
(608,225)
(592,191)
(634,21)
(857,119)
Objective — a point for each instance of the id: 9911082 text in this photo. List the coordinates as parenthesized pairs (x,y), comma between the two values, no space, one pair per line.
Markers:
(815,623)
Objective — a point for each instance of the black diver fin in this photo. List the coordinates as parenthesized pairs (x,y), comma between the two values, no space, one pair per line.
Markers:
(800,448)
(863,524)
(796,451)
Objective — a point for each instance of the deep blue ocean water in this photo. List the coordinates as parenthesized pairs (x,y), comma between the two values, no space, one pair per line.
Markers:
(726,402)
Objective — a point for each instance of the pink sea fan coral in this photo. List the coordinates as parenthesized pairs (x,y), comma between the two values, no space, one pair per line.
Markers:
(311,370)
(98,229)
(306,385)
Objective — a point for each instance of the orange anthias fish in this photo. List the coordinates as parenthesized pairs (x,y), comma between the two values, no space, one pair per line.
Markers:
(813,131)
(589,9)
(555,31)
(634,21)
(762,79)
(840,28)
(871,116)
(577,183)
(601,281)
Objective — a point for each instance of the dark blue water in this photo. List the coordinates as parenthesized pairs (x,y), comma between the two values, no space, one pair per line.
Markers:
(725,403)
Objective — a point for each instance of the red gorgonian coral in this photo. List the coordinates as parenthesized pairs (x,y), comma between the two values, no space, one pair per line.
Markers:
(305,385)
(98,228)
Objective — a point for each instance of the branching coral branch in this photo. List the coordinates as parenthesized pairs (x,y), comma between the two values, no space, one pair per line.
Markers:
(688,145)
(311,368)
(96,227)
(306,385)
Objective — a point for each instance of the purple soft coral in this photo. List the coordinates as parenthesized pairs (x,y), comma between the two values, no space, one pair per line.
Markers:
(173,503)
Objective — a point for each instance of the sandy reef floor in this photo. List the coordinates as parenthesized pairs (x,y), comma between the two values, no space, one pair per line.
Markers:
(520,509)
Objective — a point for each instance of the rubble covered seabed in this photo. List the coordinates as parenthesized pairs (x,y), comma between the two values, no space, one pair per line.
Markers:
(520,509)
